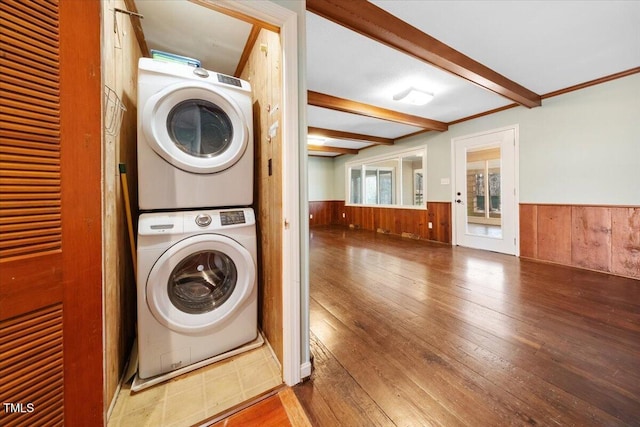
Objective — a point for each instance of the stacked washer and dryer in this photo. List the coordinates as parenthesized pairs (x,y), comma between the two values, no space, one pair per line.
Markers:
(197,291)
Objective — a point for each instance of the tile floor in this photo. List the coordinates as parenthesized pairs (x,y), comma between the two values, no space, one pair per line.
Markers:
(200,394)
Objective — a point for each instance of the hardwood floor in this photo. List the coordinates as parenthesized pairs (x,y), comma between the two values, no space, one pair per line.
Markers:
(409,332)
(279,410)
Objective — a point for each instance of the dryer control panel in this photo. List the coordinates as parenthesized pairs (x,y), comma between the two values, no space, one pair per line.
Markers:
(232,217)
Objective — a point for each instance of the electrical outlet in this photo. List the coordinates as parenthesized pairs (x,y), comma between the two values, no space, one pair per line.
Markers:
(310,216)
(344,215)
(430,225)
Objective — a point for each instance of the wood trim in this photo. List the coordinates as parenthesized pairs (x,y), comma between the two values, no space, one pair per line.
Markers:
(81,164)
(295,411)
(545,96)
(323,157)
(486,113)
(137,27)
(371,21)
(265,76)
(329,149)
(580,205)
(345,105)
(238,15)
(337,134)
(594,82)
(248,47)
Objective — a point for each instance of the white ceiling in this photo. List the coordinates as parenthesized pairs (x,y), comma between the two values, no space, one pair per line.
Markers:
(188,29)
(542,45)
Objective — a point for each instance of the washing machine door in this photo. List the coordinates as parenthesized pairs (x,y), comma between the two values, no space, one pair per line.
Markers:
(195,127)
(200,282)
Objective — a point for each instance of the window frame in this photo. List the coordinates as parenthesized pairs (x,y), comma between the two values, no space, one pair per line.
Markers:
(397,187)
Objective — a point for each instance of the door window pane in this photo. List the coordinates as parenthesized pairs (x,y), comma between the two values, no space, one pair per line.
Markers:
(483,192)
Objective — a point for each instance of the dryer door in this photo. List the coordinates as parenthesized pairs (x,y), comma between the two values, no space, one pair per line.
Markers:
(200,282)
(195,127)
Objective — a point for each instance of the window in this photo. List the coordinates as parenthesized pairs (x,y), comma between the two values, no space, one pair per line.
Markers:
(393,180)
(483,186)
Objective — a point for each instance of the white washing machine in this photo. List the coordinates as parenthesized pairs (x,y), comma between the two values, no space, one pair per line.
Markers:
(195,138)
(197,292)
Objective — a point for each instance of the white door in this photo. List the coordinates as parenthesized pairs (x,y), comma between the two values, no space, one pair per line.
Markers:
(195,128)
(485,205)
(200,282)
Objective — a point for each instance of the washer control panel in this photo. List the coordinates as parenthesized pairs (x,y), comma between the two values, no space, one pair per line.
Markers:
(203,220)
(194,222)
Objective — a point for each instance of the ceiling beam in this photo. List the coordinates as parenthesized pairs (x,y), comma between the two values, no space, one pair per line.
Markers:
(219,7)
(328,149)
(350,136)
(371,21)
(348,106)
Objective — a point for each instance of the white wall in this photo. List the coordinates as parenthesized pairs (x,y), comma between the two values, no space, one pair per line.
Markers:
(320,178)
(579,148)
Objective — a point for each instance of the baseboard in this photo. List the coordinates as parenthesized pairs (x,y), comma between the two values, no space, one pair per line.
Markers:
(305,370)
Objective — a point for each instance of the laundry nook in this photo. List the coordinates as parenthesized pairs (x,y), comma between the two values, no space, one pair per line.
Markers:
(209,291)
(324,213)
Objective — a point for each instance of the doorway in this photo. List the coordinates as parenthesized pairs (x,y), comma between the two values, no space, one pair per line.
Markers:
(485,190)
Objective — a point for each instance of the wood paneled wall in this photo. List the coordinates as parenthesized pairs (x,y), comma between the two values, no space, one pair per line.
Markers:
(120,53)
(322,212)
(263,71)
(605,239)
(390,220)
(601,238)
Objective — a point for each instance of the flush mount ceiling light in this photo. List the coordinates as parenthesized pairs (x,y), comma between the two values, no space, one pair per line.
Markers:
(413,96)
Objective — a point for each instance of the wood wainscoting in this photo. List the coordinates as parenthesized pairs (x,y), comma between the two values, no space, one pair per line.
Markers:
(600,238)
(414,222)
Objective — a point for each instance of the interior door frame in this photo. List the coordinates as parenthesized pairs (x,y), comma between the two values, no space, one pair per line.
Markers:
(296,364)
(516,183)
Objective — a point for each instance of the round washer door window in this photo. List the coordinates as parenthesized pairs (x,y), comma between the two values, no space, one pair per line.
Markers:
(200,282)
(195,127)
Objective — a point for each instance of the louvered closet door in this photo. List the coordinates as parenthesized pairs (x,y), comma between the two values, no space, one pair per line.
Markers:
(50,222)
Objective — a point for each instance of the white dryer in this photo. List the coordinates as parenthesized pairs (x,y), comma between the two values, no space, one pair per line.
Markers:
(197,293)
(195,138)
